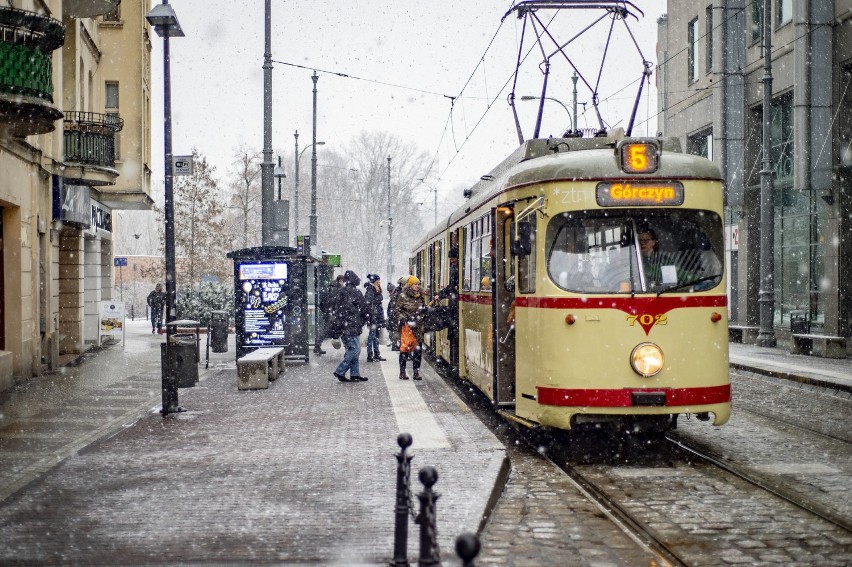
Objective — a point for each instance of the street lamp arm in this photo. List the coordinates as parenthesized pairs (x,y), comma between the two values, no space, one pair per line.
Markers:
(557,101)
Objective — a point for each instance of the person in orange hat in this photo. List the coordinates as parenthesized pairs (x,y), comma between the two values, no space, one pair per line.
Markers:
(411,310)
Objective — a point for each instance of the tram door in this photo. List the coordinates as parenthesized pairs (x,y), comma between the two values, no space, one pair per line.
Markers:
(504,297)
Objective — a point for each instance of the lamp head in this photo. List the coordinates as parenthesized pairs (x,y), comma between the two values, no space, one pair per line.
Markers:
(164,20)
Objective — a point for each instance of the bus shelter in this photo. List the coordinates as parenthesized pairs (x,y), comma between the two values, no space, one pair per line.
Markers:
(271,300)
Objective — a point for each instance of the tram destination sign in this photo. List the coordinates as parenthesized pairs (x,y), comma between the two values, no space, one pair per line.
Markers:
(639,193)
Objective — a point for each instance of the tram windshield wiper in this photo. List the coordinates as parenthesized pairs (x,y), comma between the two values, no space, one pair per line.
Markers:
(688,284)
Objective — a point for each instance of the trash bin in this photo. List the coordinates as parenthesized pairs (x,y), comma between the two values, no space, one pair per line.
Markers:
(799,324)
(219,331)
(184,356)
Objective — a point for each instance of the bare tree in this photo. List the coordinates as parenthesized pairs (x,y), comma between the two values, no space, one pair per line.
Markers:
(353,205)
(243,218)
(198,224)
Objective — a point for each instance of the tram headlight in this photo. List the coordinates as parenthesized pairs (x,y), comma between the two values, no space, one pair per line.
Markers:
(647,359)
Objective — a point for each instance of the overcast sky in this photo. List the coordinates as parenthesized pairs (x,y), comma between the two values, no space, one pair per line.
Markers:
(409,57)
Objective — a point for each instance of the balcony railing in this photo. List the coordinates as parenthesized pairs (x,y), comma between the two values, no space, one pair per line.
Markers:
(26,71)
(90,138)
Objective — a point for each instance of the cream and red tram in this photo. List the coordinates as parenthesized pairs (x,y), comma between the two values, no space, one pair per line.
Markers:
(603,333)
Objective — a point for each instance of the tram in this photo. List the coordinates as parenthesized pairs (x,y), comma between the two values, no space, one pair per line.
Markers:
(590,285)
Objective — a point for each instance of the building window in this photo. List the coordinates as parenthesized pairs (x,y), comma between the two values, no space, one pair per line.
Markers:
(709,36)
(701,143)
(756,21)
(782,137)
(784,10)
(111,109)
(113,15)
(693,50)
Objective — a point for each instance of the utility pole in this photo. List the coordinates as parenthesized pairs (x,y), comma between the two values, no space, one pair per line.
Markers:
(266,189)
(390,227)
(314,241)
(766,295)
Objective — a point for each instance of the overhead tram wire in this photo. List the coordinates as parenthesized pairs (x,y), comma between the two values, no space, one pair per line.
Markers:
(489,104)
(348,76)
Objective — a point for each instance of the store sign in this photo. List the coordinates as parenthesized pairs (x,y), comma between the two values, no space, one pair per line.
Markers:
(263,289)
(112,319)
(101,217)
(72,203)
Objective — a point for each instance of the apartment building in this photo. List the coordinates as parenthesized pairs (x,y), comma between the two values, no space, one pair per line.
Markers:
(74,147)
(711,82)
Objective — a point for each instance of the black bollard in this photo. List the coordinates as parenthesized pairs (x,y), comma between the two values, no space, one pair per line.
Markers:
(467,548)
(403,491)
(430,554)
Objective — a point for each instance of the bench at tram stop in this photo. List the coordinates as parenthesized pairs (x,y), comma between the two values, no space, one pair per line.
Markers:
(746,334)
(826,346)
(803,341)
(255,369)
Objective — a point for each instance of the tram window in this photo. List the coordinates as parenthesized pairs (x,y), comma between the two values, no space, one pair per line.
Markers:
(593,253)
(526,264)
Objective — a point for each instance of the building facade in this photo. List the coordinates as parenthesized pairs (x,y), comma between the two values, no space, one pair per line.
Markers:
(74,147)
(711,84)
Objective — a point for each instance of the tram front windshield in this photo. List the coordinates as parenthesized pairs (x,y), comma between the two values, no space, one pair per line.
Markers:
(635,251)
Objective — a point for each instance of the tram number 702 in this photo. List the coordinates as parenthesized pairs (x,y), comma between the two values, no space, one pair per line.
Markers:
(647,319)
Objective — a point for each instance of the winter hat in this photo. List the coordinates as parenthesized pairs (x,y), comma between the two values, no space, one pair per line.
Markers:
(373,278)
(351,278)
(412,280)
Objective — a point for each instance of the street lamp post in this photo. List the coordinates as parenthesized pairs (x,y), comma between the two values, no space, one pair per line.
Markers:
(560,103)
(282,209)
(435,192)
(166,25)
(266,190)
(390,228)
(574,80)
(298,155)
(313,219)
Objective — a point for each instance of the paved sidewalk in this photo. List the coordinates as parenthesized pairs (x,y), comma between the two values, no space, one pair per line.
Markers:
(301,473)
(830,373)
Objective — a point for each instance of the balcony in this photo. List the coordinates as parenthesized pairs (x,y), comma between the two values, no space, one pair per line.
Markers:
(26,72)
(90,146)
(89,8)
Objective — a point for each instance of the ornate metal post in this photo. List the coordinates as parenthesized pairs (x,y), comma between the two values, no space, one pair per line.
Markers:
(467,548)
(766,294)
(402,508)
(430,553)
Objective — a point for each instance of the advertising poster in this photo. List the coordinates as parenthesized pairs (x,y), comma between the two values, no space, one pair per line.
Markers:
(112,320)
(263,287)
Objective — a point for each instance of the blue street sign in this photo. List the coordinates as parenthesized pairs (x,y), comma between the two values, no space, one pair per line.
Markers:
(119,262)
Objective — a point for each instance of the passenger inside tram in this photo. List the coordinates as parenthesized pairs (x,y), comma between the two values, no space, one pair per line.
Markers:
(594,253)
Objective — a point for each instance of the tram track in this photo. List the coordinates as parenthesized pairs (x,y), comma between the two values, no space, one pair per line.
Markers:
(696,450)
(799,426)
(678,504)
(639,532)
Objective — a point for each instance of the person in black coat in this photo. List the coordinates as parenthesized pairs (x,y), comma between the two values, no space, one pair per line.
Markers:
(373,296)
(392,326)
(328,305)
(352,314)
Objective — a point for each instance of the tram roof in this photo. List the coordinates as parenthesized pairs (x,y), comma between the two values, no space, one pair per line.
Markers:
(549,159)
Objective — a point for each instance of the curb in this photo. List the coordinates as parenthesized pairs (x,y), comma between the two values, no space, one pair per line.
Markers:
(792,377)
